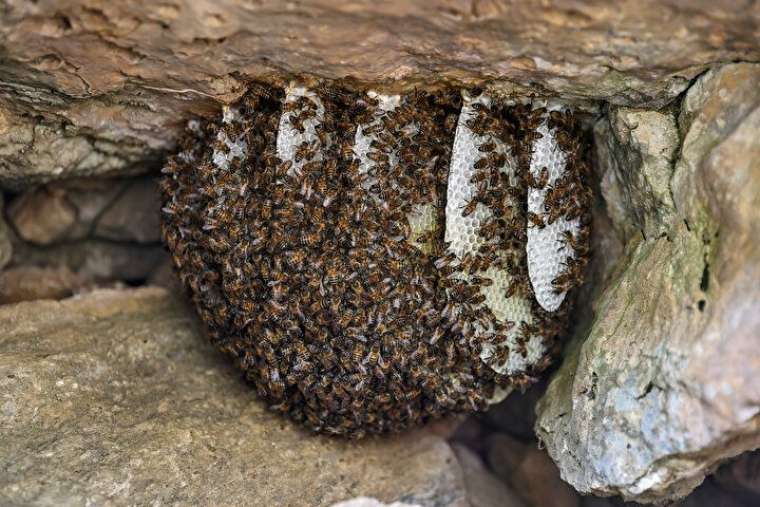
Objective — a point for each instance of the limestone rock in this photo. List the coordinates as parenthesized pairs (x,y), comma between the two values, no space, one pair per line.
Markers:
(95,260)
(538,482)
(364,501)
(123,209)
(742,475)
(134,215)
(42,216)
(92,197)
(115,398)
(484,490)
(26,283)
(95,87)
(504,454)
(6,247)
(662,385)
(638,149)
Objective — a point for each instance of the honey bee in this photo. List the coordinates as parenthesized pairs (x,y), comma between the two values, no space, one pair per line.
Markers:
(306,150)
(469,208)
(535,220)
(484,282)
(540,181)
(373,357)
(487,147)
(562,282)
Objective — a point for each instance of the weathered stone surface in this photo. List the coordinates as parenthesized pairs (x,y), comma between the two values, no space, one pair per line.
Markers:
(742,476)
(42,216)
(92,197)
(29,283)
(663,387)
(116,209)
(364,501)
(115,398)
(504,454)
(638,147)
(95,260)
(93,87)
(134,215)
(483,489)
(6,247)
(537,480)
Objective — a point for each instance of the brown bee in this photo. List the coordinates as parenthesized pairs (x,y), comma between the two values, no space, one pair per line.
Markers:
(469,208)
(485,282)
(511,290)
(487,147)
(373,357)
(540,181)
(535,220)
(562,283)
(305,151)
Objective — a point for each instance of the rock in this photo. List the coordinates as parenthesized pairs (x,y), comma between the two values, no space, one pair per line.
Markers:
(92,197)
(103,87)
(536,479)
(638,149)
(742,476)
(710,493)
(122,388)
(95,260)
(364,501)
(504,454)
(661,387)
(42,216)
(516,415)
(29,283)
(163,275)
(483,489)
(6,247)
(124,210)
(134,216)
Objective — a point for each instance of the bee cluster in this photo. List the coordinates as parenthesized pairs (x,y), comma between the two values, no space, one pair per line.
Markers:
(365,257)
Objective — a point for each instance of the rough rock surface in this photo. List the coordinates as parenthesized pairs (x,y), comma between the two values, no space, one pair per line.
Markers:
(484,489)
(42,216)
(664,386)
(93,87)
(27,283)
(6,247)
(114,398)
(95,260)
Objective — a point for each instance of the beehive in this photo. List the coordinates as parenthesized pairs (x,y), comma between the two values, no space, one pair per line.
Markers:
(368,259)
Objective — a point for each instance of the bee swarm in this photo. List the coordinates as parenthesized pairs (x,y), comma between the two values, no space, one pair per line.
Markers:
(374,261)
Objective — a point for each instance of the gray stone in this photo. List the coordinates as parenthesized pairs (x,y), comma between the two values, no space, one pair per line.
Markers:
(92,197)
(504,454)
(105,87)
(6,246)
(42,216)
(483,489)
(742,476)
(95,260)
(115,209)
(27,283)
(364,501)
(134,215)
(116,398)
(661,386)
(637,151)
(537,480)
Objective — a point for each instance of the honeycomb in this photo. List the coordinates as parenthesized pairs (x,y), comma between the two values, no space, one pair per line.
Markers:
(461,234)
(547,252)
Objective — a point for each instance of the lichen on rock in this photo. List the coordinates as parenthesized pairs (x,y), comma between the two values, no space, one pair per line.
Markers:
(660,387)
